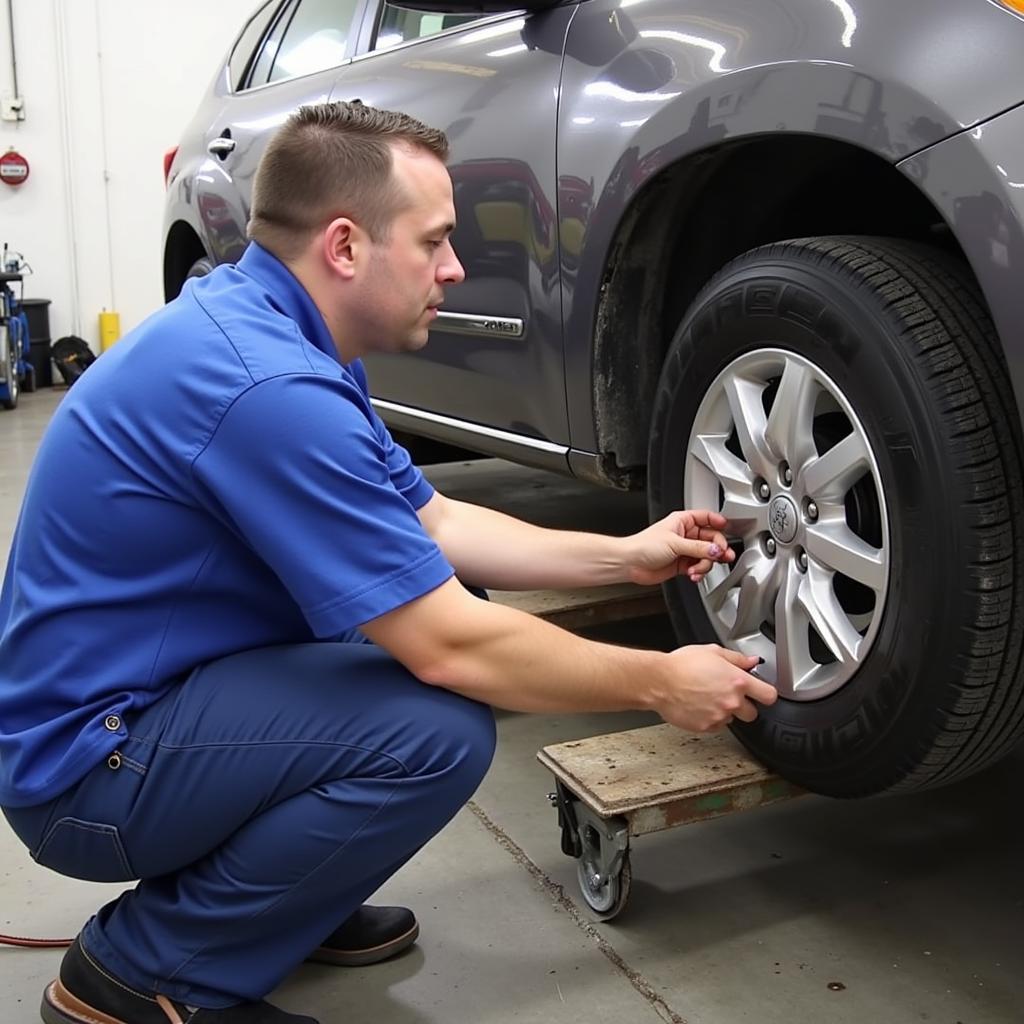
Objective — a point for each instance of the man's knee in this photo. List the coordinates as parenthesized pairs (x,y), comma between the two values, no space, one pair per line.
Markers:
(463,743)
(483,740)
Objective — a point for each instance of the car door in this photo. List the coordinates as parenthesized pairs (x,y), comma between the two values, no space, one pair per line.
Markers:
(494,365)
(295,61)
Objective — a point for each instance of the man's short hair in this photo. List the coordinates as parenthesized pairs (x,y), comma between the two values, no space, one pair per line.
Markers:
(333,160)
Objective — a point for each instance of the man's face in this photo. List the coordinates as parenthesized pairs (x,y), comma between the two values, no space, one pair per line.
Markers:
(408,270)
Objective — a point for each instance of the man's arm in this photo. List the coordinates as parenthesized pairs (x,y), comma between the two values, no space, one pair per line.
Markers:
(490,549)
(512,660)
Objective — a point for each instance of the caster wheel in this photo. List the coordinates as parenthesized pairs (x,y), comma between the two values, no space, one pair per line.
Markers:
(605,899)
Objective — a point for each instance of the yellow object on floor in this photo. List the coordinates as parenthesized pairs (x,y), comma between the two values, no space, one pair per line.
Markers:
(110,329)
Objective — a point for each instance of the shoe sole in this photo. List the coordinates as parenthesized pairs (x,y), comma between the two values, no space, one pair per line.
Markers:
(59,1006)
(361,957)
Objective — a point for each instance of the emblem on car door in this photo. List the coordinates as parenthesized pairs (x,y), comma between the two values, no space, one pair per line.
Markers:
(481,326)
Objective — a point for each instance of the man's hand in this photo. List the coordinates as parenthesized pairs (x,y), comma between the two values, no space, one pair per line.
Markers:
(682,542)
(708,686)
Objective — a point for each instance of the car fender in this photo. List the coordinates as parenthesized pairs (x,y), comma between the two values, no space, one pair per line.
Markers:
(976,181)
(653,82)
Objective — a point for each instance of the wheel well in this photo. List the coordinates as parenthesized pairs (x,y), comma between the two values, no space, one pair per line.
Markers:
(182,250)
(690,221)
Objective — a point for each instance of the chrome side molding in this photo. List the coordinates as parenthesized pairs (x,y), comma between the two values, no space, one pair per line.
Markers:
(479,326)
(447,428)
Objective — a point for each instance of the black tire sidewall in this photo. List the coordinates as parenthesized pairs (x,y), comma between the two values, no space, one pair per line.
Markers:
(11,382)
(202,266)
(877,724)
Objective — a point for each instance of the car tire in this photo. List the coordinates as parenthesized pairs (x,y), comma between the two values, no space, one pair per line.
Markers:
(12,384)
(200,268)
(889,344)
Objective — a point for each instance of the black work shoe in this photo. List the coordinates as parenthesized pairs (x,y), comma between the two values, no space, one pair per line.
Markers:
(86,993)
(370,935)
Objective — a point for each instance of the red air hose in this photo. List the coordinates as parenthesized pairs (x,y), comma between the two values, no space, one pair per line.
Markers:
(14,940)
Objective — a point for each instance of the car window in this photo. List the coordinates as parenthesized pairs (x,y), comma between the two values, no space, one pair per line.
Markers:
(400,24)
(265,60)
(316,38)
(242,54)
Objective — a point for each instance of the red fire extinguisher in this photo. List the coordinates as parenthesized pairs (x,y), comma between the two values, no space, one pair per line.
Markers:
(13,167)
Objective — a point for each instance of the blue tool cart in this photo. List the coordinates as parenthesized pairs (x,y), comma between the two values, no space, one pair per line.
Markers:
(17,373)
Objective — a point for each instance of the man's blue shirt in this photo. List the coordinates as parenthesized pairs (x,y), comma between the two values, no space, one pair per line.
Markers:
(216,482)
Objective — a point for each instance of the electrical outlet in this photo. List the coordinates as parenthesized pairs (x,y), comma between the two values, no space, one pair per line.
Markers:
(12,108)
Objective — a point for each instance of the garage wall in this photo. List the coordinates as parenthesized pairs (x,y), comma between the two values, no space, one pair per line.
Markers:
(108,86)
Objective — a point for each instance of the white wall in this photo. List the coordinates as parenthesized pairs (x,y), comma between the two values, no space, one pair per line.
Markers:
(108,86)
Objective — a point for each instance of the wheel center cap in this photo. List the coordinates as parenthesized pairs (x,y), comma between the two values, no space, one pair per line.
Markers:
(782,519)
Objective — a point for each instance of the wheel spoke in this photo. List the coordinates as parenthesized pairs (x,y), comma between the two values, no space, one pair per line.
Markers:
(789,430)
(716,593)
(744,397)
(793,661)
(747,516)
(833,544)
(829,477)
(757,591)
(827,616)
(733,473)
(745,513)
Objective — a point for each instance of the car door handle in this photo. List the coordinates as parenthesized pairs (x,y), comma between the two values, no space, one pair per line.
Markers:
(221,146)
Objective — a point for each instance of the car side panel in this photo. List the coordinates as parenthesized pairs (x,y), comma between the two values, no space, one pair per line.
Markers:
(492,86)
(218,190)
(212,193)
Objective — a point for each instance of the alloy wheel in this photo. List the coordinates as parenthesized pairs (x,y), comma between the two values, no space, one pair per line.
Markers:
(779,450)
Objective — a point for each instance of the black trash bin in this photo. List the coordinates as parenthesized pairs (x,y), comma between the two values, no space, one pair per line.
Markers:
(39,356)
(38,313)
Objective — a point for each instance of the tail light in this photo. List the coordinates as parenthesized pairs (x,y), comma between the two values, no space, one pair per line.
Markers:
(168,160)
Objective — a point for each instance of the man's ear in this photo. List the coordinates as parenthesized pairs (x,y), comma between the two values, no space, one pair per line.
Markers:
(344,244)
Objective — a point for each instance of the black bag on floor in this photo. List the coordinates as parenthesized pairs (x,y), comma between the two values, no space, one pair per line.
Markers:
(72,357)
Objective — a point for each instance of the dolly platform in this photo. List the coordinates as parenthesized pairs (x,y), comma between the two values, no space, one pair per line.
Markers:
(613,787)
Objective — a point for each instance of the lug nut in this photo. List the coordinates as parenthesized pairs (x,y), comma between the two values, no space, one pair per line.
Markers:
(769,546)
(812,511)
(801,560)
(764,492)
(786,474)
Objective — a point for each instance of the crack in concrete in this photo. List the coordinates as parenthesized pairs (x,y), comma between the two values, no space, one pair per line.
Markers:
(557,893)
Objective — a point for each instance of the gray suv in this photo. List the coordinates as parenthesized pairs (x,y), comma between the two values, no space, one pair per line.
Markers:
(764,256)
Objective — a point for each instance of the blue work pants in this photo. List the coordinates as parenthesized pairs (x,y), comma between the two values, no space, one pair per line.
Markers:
(260,802)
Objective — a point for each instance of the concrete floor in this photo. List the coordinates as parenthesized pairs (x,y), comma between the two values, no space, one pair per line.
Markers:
(816,912)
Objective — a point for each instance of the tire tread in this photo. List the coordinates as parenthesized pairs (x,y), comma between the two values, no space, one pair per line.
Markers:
(940,310)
